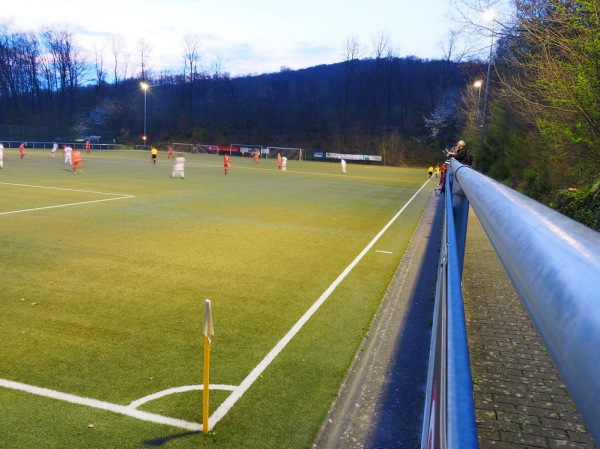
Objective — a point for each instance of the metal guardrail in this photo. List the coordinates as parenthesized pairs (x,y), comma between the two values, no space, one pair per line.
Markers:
(554,264)
(449,419)
(48,144)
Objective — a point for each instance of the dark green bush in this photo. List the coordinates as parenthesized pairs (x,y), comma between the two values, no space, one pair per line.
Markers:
(582,205)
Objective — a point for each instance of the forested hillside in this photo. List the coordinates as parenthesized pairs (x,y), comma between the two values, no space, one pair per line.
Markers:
(530,111)
(376,105)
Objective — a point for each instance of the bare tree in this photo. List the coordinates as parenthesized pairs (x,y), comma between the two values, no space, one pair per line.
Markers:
(116,43)
(19,53)
(217,68)
(99,64)
(66,69)
(191,57)
(144,50)
(352,55)
(378,81)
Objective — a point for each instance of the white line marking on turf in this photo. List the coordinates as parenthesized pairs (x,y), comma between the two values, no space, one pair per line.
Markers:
(118,196)
(383,252)
(63,188)
(186,388)
(222,410)
(89,402)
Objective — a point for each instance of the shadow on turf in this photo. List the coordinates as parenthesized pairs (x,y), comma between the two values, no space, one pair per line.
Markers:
(156,442)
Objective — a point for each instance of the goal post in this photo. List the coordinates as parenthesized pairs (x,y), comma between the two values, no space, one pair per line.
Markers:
(213,149)
(179,147)
(237,149)
(296,154)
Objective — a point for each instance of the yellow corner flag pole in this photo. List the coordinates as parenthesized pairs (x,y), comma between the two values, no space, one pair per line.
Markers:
(208,332)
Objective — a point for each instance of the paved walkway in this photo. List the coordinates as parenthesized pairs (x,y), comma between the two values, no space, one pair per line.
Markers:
(520,400)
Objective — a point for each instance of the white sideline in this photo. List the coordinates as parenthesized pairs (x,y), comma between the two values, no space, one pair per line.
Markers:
(222,410)
(119,196)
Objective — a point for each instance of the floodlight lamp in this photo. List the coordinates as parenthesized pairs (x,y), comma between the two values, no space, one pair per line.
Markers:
(489,15)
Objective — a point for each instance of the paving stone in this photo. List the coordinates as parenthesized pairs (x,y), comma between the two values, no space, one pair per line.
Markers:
(518,392)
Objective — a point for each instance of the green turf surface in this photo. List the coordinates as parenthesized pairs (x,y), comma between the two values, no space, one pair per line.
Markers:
(104,275)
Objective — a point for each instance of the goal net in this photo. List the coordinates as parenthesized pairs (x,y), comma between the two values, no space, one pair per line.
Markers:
(296,154)
(183,147)
(213,149)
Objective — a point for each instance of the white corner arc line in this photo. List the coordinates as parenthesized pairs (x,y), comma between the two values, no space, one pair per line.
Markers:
(383,252)
(184,389)
(226,405)
(89,402)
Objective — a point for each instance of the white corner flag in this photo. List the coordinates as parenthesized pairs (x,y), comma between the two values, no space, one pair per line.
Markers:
(208,330)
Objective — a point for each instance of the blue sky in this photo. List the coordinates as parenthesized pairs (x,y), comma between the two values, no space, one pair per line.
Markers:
(246,36)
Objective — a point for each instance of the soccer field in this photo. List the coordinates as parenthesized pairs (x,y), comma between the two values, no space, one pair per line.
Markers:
(104,275)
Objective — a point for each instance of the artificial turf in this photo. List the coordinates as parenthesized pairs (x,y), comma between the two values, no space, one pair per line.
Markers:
(105,274)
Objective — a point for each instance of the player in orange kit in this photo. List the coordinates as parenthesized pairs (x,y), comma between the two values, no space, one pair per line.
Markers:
(22,150)
(226,163)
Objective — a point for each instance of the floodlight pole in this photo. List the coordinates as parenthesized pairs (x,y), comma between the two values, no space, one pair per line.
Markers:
(478,119)
(144,87)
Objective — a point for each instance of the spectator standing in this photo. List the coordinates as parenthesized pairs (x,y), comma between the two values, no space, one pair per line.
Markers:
(461,153)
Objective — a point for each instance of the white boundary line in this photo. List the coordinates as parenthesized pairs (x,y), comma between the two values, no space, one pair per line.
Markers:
(119,196)
(95,403)
(64,188)
(222,410)
(129,410)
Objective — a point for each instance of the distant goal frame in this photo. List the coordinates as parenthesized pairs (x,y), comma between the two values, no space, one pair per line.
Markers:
(285,151)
